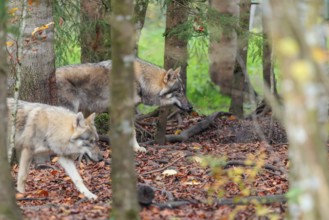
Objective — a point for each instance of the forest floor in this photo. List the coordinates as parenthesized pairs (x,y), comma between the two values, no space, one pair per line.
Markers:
(195,186)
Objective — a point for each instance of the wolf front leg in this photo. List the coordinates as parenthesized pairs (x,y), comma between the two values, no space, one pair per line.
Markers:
(136,146)
(72,171)
(24,165)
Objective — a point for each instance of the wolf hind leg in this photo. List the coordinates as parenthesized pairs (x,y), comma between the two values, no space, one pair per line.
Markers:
(24,165)
(73,173)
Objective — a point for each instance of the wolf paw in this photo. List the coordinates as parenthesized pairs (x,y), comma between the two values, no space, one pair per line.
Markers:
(139,149)
(21,189)
(90,195)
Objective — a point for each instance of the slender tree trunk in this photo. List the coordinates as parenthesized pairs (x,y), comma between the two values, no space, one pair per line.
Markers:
(139,19)
(123,175)
(306,103)
(268,72)
(223,42)
(175,55)
(95,31)
(238,82)
(8,206)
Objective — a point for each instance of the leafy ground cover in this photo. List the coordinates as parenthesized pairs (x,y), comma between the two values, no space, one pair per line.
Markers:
(194,179)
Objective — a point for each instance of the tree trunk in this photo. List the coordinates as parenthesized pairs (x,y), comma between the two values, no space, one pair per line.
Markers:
(8,206)
(238,82)
(223,42)
(306,103)
(35,60)
(175,55)
(139,19)
(95,31)
(123,175)
(38,61)
(268,73)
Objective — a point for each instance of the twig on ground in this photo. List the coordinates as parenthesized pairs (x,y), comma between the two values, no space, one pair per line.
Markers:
(32,199)
(163,168)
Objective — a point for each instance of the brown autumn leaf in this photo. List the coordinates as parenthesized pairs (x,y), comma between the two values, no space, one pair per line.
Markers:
(54,172)
(19,195)
(232,118)
(42,193)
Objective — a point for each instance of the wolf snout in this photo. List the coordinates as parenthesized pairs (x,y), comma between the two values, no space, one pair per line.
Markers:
(95,158)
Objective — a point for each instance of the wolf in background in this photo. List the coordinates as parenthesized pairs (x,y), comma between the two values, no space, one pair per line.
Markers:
(85,87)
(45,129)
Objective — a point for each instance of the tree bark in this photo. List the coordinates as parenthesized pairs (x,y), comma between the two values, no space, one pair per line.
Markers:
(38,61)
(95,31)
(125,205)
(223,42)
(8,206)
(139,19)
(268,71)
(238,80)
(306,103)
(175,55)
(175,46)
(35,57)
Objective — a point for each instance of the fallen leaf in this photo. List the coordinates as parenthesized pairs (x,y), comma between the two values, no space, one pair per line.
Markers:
(55,159)
(169,172)
(192,183)
(19,195)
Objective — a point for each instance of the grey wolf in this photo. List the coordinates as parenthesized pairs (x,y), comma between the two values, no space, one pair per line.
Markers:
(85,87)
(45,129)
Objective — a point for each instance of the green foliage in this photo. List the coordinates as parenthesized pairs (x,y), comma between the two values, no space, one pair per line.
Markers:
(102,123)
(241,179)
(67,26)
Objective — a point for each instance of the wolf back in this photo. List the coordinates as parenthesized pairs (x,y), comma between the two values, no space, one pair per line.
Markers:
(43,129)
(85,87)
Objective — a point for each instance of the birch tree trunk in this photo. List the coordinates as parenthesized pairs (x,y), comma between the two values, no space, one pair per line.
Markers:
(95,31)
(8,206)
(302,65)
(123,175)
(223,42)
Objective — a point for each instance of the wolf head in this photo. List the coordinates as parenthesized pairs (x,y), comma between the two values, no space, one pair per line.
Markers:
(84,137)
(173,93)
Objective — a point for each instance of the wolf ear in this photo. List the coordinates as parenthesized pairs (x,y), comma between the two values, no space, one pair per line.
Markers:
(171,75)
(79,120)
(177,71)
(168,76)
(91,118)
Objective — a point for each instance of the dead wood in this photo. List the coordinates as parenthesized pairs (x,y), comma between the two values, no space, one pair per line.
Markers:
(173,204)
(265,166)
(269,199)
(198,128)
(265,200)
